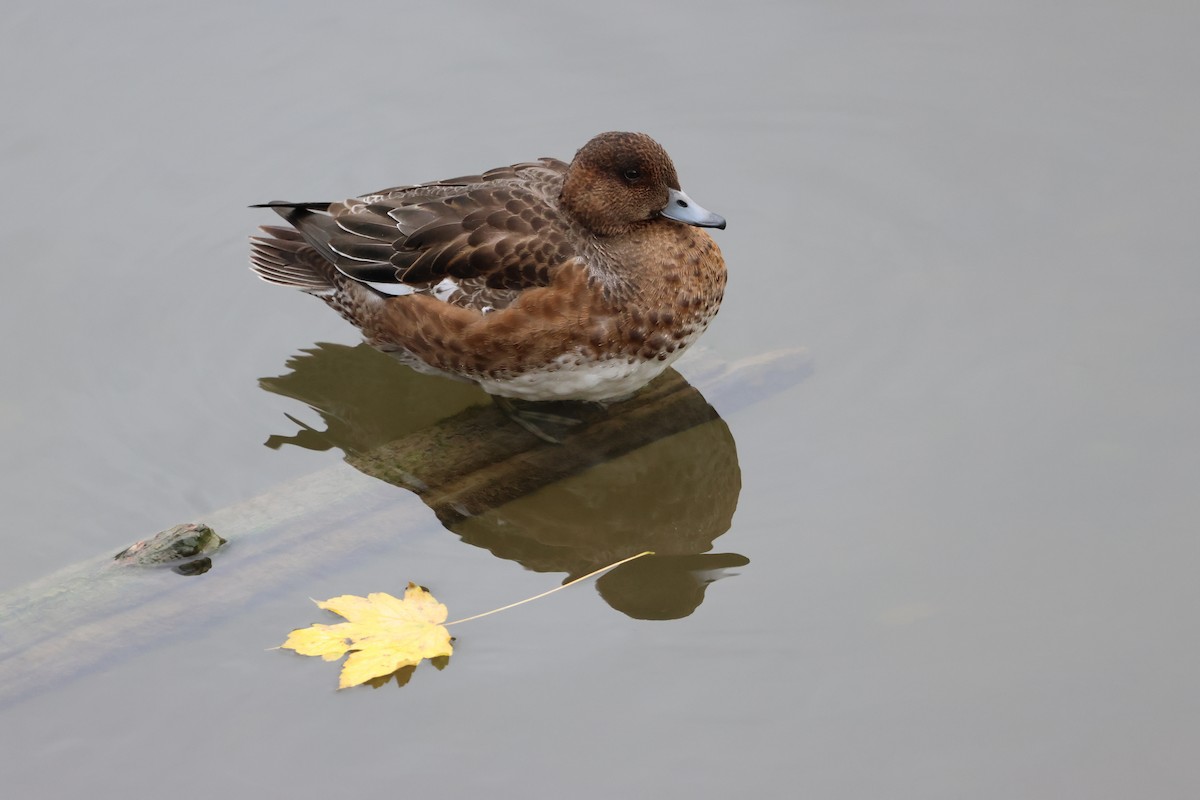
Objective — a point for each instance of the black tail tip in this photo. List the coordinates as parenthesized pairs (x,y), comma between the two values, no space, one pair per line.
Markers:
(292,206)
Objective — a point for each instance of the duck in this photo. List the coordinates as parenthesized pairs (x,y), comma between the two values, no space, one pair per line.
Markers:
(539,281)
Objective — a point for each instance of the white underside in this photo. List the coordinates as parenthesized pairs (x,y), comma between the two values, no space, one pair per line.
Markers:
(563,380)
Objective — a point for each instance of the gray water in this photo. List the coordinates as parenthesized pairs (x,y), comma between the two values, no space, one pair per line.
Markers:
(970,531)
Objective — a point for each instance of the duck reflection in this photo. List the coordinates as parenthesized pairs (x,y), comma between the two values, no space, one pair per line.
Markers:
(656,472)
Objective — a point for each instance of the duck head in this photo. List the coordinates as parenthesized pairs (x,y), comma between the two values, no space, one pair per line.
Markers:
(619,180)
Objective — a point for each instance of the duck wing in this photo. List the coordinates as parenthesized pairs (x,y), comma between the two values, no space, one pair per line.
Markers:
(502,230)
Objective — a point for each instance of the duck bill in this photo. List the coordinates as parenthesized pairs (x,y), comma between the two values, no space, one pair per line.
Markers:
(682,208)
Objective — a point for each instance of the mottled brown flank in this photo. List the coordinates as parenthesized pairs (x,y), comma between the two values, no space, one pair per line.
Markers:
(572,314)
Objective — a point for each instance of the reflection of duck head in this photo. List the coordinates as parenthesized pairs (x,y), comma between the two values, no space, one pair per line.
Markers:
(656,472)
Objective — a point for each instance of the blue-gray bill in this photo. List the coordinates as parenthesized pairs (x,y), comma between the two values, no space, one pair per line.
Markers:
(682,208)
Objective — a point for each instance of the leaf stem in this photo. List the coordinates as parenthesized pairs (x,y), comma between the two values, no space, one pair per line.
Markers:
(552,591)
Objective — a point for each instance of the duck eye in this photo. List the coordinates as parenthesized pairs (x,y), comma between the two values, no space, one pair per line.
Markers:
(632,174)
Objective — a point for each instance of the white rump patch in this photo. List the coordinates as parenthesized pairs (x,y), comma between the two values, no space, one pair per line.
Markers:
(445,289)
(394,289)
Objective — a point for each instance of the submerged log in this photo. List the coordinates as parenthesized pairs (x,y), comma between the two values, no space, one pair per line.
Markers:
(482,475)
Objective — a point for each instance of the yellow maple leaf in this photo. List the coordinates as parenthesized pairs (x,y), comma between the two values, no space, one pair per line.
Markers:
(386,637)
(382,633)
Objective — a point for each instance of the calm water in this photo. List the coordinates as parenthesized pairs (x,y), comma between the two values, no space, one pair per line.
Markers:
(962,558)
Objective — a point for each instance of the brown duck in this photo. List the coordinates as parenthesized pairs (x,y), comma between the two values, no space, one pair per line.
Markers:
(539,281)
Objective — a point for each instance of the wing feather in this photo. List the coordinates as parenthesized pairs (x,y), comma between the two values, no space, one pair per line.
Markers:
(502,230)
(475,240)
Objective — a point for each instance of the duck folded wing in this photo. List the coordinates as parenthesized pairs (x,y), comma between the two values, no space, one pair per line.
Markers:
(506,237)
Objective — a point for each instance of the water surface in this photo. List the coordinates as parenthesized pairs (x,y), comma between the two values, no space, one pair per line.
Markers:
(966,539)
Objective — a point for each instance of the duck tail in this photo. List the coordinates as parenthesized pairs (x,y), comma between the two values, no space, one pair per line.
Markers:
(284,208)
(285,258)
